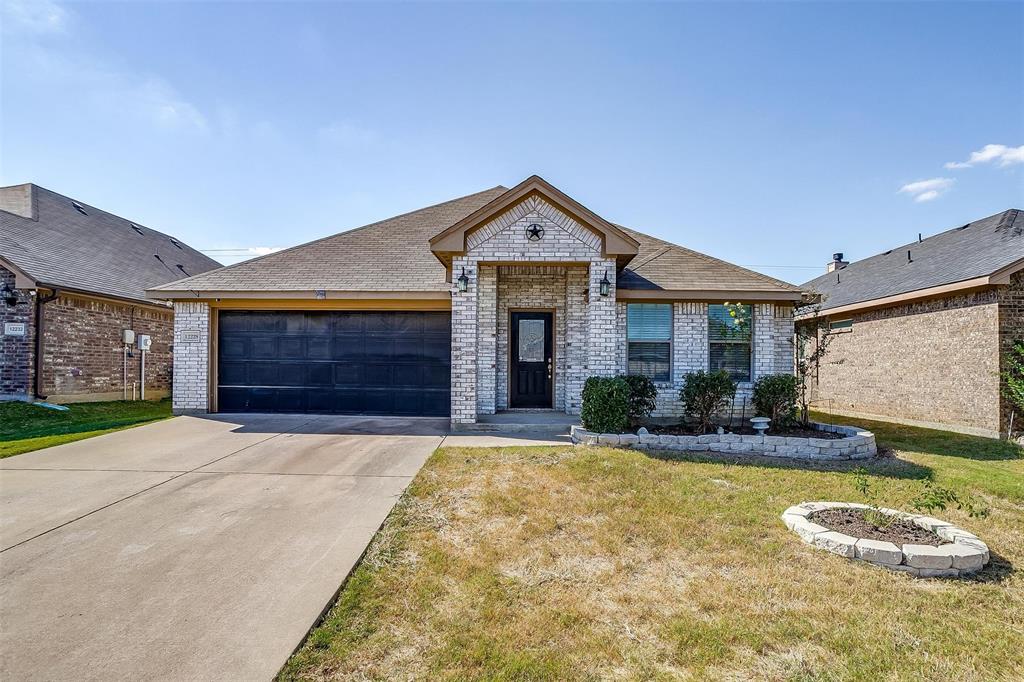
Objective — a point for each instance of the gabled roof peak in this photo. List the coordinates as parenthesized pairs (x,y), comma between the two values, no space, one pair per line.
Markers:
(615,242)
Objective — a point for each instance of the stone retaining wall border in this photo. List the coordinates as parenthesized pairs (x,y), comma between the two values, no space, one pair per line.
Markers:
(855,444)
(964,553)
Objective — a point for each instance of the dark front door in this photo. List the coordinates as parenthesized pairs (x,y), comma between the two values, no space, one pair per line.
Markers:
(335,362)
(531,369)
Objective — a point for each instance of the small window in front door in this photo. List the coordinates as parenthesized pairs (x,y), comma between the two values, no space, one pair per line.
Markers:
(531,340)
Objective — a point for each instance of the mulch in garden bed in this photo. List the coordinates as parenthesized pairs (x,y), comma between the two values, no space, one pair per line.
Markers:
(851,522)
(746,430)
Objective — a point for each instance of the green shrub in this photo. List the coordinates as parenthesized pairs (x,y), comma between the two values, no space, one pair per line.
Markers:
(704,394)
(642,398)
(776,396)
(605,405)
(1013,377)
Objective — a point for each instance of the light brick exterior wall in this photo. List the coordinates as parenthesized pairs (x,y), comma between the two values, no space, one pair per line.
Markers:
(523,288)
(488,322)
(577,294)
(191,358)
(931,362)
(773,346)
(480,366)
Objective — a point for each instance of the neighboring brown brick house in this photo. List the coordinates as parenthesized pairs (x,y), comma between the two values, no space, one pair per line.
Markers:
(921,331)
(81,274)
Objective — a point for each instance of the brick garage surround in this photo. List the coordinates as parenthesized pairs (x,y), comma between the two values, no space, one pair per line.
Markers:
(191,358)
(82,350)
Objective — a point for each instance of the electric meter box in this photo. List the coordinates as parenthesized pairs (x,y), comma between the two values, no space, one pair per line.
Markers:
(145,342)
(128,337)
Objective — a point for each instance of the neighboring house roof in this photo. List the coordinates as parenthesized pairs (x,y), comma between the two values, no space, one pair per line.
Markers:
(976,254)
(394,255)
(54,241)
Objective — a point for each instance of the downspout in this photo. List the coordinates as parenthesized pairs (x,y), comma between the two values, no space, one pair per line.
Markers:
(40,301)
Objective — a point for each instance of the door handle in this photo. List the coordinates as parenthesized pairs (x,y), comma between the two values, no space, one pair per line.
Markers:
(549,368)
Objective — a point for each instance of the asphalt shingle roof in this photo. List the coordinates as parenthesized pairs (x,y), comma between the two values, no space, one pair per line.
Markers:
(97,252)
(395,255)
(975,250)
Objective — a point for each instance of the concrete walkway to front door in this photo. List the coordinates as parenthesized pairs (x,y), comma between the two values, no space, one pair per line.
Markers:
(194,548)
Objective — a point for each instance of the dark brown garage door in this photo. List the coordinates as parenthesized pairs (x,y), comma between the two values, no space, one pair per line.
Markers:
(334,362)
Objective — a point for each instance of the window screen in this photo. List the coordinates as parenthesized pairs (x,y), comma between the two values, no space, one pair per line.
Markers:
(649,339)
(729,336)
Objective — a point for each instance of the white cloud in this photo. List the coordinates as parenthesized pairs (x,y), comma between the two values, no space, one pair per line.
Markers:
(346,134)
(1000,153)
(37,17)
(39,43)
(927,190)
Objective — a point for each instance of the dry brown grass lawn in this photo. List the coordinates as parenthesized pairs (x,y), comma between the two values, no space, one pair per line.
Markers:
(595,563)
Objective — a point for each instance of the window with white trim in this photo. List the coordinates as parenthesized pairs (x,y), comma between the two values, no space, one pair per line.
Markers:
(649,340)
(730,339)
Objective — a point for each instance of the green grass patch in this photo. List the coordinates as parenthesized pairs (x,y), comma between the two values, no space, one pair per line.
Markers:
(596,563)
(25,427)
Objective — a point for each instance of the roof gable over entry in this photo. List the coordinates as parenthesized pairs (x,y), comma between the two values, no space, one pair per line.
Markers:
(615,243)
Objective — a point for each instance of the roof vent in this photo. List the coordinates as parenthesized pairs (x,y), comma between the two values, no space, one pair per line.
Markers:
(137,228)
(79,208)
(175,242)
(180,267)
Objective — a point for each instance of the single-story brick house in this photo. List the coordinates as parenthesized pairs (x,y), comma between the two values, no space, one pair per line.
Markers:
(920,332)
(73,278)
(503,299)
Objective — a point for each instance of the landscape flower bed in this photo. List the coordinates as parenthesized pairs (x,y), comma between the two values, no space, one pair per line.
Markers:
(953,552)
(854,444)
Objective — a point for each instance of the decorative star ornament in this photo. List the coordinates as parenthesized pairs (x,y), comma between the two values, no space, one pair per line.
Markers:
(534,232)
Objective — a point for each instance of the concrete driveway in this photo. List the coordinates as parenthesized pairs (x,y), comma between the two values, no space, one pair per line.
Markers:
(194,548)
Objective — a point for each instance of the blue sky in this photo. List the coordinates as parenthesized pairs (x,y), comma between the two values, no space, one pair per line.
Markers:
(765,134)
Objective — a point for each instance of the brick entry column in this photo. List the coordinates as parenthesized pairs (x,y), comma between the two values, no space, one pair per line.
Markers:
(464,342)
(602,347)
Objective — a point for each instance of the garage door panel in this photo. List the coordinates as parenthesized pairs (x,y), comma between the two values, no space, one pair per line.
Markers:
(348,374)
(335,362)
(436,377)
(318,348)
(262,374)
(291,348)
(349,348)
(263,346)
(320,374)
(235,347)
(233,373)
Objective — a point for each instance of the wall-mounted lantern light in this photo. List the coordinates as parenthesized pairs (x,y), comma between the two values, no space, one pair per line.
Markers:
(463,281)
(605,284)
(9,295)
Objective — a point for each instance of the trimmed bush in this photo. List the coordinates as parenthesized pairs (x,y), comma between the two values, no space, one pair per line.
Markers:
(704,394)
(605,405)
(776,396)
(642,398)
